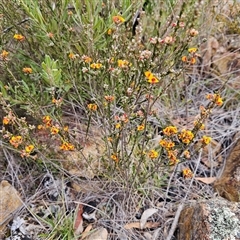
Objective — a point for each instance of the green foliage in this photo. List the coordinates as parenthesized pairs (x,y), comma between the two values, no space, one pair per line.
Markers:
(84,54)
(60,226)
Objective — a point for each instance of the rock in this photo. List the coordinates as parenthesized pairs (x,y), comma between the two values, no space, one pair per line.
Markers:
(86,162)
(10,201)
(228,185)
(215,219)
(99,234)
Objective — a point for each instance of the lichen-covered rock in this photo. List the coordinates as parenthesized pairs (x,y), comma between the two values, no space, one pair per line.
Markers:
(215,219)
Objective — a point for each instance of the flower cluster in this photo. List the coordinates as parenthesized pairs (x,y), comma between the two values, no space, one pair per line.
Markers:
(167,143)
(15,141)
(193,32)
(9,119)
(95,65)
(170,130)
(172,156)
(187,173)
(92,106)
(55,131)
(215,98)
(167,40)
(186,136)
(122,119)
(153,154)
(47,120)
(146,54)
(206,140)
(57,102)
(109,98)
(66,146)
(192,57)
(27,151)
(123,63)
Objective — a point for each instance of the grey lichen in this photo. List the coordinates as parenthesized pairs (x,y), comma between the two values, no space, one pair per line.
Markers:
(225,224)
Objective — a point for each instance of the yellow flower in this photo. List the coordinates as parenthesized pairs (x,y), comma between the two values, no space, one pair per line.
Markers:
(148,74)
(118,19)
(65,128)
(218,100)
(140,127)
(4,54)
(209,96)
(92,107)
(109,31)
(166,143)
(173,161)
(6,120)
(184,58)
(187,173)
(19,37)
(96,65)
(40,127)
(193,60)
(123,63)
(151,78)
(215,98)
(115,158)
(172,155)
(47,120)
(153,154)
(186,136)
(54,130)
(118,125)
(27,70)
(170,130)
(186,154)
(57,102)
(29,148)
(67,146)
(206,140)
(192,50)
(72,55)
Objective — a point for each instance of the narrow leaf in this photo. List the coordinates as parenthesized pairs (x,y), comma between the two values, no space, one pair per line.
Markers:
(207,180)
(146,214)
